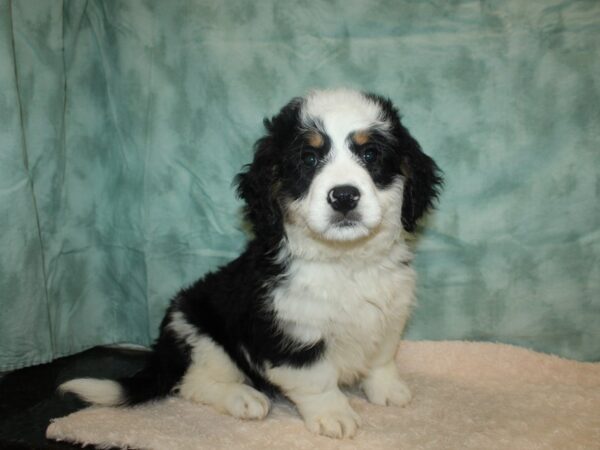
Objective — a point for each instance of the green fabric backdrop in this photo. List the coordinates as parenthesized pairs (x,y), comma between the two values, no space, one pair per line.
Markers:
(123,123)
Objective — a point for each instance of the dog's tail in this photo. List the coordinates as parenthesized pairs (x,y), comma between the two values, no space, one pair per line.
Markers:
(164,369)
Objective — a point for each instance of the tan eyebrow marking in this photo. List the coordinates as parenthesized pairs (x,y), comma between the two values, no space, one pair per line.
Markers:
(360,137)
(315,139)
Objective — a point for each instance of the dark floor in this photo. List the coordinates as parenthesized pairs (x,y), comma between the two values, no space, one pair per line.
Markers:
(28,398)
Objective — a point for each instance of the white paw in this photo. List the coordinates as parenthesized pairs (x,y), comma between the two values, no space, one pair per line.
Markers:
(334,423)
(245,402)
(386,389)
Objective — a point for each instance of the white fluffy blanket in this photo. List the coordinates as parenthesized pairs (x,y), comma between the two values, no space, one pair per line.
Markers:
(466,396)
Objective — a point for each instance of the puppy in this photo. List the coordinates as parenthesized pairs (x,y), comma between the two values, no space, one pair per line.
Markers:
(321,294)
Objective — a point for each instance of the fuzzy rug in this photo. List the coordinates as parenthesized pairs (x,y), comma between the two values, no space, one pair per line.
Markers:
(465,395)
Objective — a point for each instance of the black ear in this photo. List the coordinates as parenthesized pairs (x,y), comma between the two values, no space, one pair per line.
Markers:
(258,184)
(423,181)
(257,187)
(423,178)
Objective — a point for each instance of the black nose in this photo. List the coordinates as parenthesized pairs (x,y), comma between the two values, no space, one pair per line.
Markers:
(343,198)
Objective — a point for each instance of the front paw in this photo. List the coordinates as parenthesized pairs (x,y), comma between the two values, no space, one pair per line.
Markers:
(384,387)
(245,402)
(329,414)
(334,423)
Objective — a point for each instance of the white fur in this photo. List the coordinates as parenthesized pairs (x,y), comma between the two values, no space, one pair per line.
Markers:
(354,305)
(214,379)
(315,392)
(383,386)
(359,308)
(341,110)
(98,392)
(354,294)
(183,329)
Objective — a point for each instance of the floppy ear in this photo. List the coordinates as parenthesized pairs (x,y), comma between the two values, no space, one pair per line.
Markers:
(423,181)
(423,178)
(257,187)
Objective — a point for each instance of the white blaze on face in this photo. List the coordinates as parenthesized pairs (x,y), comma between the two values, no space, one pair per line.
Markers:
(340,113)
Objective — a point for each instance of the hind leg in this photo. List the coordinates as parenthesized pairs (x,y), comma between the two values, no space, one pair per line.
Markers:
(213,379)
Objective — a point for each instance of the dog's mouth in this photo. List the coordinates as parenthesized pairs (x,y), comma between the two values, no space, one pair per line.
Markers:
(349,220)
(346,227)
(345,223)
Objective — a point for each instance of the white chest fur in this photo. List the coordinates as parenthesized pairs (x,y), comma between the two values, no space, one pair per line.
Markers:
(353,305)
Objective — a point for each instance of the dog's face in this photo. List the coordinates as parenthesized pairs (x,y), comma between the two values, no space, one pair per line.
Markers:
(343,155)
(339,164)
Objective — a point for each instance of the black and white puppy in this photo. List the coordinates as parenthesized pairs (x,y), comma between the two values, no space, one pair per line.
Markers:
(321,294)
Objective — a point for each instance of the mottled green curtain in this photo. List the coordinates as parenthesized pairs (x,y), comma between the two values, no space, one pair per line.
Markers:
(122,124)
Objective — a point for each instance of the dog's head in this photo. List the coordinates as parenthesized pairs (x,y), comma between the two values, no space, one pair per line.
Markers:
(339,164)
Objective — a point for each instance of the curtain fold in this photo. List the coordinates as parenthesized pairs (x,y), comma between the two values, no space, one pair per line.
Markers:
(25,325)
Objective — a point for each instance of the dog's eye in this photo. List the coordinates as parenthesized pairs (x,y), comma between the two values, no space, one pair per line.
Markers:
(310,159)
(370,155)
